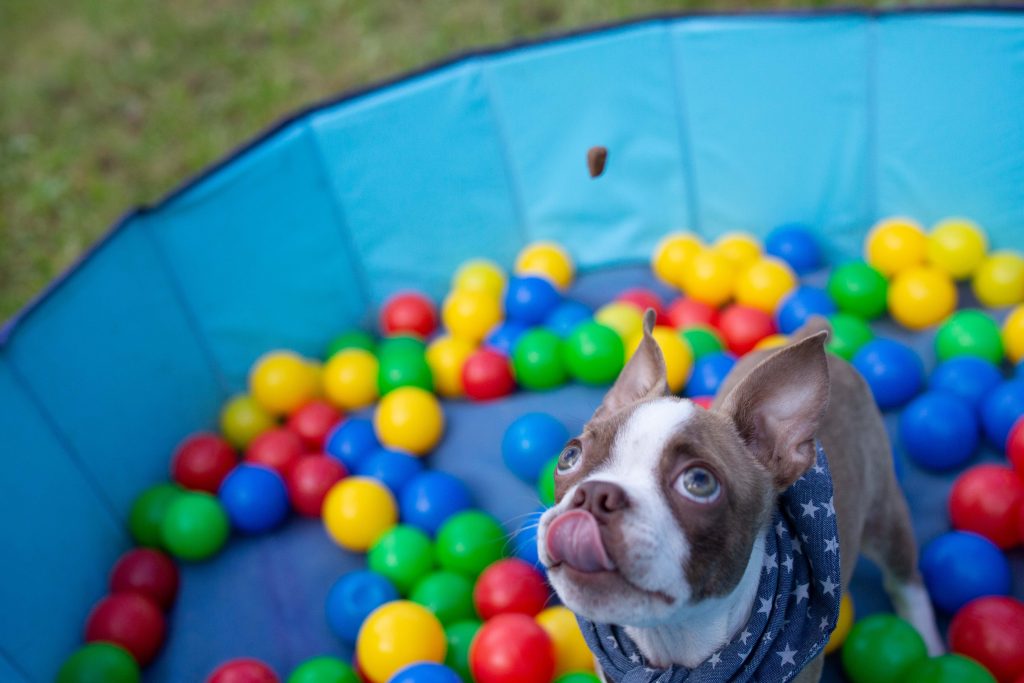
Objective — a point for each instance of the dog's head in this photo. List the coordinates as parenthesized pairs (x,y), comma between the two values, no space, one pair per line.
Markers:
(659,502)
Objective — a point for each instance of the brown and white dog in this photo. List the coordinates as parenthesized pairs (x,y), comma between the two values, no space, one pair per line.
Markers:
(670,503)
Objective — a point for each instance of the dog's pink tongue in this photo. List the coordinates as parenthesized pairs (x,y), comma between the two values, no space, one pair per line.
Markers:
(574,538)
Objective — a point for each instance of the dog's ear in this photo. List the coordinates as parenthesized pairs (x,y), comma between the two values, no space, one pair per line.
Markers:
(642,378)
(778,406)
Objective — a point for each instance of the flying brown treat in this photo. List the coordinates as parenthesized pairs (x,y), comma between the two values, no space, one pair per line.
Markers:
(597,157)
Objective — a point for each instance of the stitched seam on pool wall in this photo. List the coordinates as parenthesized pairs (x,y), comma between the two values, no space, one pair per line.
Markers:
(871,109)
(15,664)
(675,55)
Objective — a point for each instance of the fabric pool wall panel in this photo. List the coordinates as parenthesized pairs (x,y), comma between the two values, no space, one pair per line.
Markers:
(950,116)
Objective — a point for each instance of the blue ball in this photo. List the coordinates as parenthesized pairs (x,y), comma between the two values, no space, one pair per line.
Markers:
(959,566)
(352,441)
(530,299)
(709,372)
(795,244)
(394,469)
(425,672)
(939,430)
(800,305)
(353,597)
(503,336)
(970,378)
(564,319)
(430,498)
(255,498)
(525,540)
(893,371)
(1000,410)
(530,442)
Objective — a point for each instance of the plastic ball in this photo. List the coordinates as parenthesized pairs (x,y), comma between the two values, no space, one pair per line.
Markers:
(939,431)
(277,449)
(323,670)
(921,296)
(352,598)
(512,648)
(702,340)
(676,352)
(313,422)
(546,482)
(243,419)
(960,566)
(957,246)
(353,339)
(409,419)
(460,636)
(969,333)
(795,244)
(685,312)
(524,541)
(626,319)
(843,625)
(893,371)
(243,671)
(949,669)
(357,511)
(408,313)
(764,283)
(255,498)
(1001,409)
(859,289)
(743,326)
(709,372)
(504,336)
(594,353)
(801,304)
(281,381)
(704,402)
(310,479)
(469,541)
(537,360)
(710,278)
(1015,447)
(641,299)
(396,635)
(571,651)
(426,673)
(672,256)
(530,300)
(772,341)
(530,442)
(510,586)
(566,317)
(400,344)
(990,630)
(350,379)
(470,314)
(894,245)
(130,620)
(881,649)
(99,663)
(986,499)
(1012,334)
(446,355)
(392,468)
(352,441)
(578,677)
(849,334)
(202,461)
(403,555)
(487,375)
(970,378)
(741,248)
(148,511)
(431,498)
(547,260)
(999,280)
(480,275)
(448,595)
(404,369)
(146,572)
(195,526)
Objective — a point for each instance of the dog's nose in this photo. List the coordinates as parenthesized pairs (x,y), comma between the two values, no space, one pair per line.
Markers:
(603,499)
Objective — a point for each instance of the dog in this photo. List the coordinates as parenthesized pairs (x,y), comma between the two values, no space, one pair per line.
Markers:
(665,512)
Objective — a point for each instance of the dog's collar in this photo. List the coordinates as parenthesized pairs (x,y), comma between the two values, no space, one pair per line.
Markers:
(795,611)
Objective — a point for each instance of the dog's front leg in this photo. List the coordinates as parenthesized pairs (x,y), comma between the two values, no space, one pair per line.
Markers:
(812,672)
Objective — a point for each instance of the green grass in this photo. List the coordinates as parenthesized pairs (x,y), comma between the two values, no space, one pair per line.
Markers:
(106,104)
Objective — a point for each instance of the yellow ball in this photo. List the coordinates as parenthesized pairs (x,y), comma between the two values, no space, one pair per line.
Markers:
(480,275)
(626,319)
(921,296)
(350,379)
(677,353)
(547,260)
(243,419)
(672,256)
(357,511)
(957,246)
(446,355)
(843,625)
(571,651)
(398,634)
(710,278)
(764,284)
(771,342)
(895,244)
(470,314)
(1013,334)
(741,248)
(409,419)
(282,381)
(999,280)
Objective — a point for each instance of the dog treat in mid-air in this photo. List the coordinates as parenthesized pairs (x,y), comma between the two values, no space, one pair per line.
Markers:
(597,157)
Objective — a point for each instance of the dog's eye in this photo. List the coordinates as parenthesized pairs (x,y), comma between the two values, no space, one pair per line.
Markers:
(571,456)
(698,484)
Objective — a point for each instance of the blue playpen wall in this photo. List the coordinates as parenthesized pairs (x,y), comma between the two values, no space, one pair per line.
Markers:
(713,124)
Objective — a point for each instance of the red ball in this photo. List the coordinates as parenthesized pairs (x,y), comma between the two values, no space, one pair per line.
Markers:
(991,631)
(512,648)
(986,499)
(703,401)
(685,312)
(408,313)
(243,671)
(1015,446)
(130,620)
(643,299)
(147,572)
(743,326)
(510,586)
(202,461)
(277,449)
(310,479)
(486,375)
(313,422)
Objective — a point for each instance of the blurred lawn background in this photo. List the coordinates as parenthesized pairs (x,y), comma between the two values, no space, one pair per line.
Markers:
(105,104)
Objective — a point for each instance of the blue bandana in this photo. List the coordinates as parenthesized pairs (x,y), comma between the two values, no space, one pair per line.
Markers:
(795,611)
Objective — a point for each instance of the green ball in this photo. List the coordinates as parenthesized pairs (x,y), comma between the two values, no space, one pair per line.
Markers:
(949,669)
(859,289)
(881,649)
(401,343)
(460,636)
(578,677)
(537,360)
(404,554)
(99,663)
(353,339)
(404,368)
(849,333)
(546,483)
(148,512)
(449,595)
(468,542)
(324,670)
(702,340)
(969,333)
(195,526)
(594,353)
